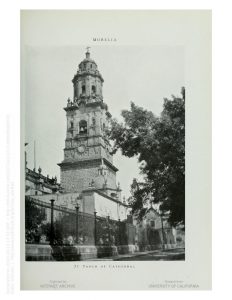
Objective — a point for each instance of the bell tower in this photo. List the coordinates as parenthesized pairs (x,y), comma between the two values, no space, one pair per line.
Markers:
(87,158)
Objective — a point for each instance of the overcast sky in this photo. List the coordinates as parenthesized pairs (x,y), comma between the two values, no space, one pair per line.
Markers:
(144,75)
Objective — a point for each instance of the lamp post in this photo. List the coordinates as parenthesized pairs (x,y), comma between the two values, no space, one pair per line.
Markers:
(52,235)
(119,231)
(95,228)
(108,218)
(162,226)
(77,233)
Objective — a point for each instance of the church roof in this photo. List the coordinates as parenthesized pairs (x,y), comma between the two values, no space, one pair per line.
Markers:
(87,59)
(87,67)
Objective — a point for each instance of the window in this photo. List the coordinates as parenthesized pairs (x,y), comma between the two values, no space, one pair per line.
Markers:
(93,89)
(83,127)
(93,121)
(71,125)
(90,66)
(152,223)
(83,89)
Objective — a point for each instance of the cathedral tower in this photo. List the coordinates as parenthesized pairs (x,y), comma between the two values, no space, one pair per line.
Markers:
(87,158)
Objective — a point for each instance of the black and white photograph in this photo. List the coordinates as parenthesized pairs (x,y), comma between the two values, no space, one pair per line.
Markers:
(81,210)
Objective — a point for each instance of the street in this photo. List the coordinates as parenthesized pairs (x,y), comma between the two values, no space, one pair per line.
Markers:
(167,255)
(161,255)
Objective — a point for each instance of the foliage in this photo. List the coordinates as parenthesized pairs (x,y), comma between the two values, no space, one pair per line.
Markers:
(159,144)
(36,225)
(33,215)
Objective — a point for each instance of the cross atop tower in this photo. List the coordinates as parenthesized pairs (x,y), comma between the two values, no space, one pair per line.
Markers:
(87,52)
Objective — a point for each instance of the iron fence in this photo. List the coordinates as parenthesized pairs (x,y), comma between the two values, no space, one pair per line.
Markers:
(56,225)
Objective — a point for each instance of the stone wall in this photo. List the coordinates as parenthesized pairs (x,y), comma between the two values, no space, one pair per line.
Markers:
(75,178)
(36,252)
(89,201)
(106,207)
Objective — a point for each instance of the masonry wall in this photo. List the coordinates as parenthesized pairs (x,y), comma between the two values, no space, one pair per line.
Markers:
(76,179)
(106,207)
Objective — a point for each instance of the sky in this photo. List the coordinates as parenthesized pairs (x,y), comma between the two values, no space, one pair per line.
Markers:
(142,74)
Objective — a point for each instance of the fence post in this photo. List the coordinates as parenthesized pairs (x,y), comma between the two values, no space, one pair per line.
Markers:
(77,229)
(109,229)
(162,226)
(95,228)
(52,235)
(119,232)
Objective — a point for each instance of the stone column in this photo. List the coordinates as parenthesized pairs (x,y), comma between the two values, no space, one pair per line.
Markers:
(52,234)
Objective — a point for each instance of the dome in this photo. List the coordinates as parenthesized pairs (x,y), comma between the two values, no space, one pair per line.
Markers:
(87,67)
(87,82)
(88,63)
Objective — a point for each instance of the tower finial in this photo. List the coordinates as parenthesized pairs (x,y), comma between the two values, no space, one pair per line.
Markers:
(87,52)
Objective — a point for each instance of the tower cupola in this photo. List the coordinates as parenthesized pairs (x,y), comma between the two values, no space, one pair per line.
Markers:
(87,82)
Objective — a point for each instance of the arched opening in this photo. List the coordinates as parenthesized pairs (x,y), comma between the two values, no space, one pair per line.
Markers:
(93,89)
(83,89)
(83,127)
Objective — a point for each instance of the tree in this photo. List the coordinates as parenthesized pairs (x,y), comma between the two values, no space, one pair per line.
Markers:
(159,144)
(34,215)
(33,219)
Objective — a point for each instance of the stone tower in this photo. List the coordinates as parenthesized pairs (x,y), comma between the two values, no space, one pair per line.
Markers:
(87,160)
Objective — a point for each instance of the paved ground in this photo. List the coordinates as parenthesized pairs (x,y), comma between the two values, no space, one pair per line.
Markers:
(177,254)
(166,255)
